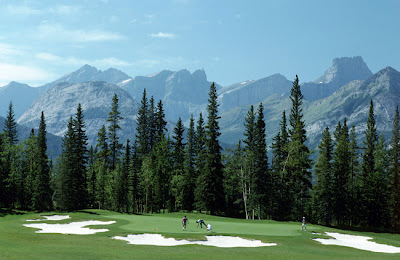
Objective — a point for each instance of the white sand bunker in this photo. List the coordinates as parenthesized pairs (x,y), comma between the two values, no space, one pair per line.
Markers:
(218,241)
(359,242)
(77,228)
(53,217)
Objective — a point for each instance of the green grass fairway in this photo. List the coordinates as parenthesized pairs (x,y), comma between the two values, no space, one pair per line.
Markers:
(19,242)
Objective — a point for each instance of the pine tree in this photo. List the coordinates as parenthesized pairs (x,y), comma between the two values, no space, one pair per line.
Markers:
(152,123)
(188,181)
(200,203)
(10,126)
(122,183)
(322,195)
(395,172)
(368,167)
(81,157)
(3,174)
(213,187)
(161,175)
(354,208)
(114,117)
(91,177)
(280,175)
(262,182)
(142,128)
(341,173)
(178,165)
(298,163)
(41,189)
(249,195)
(160,123)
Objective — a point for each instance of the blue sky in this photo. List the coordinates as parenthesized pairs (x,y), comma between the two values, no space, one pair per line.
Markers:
(231,40)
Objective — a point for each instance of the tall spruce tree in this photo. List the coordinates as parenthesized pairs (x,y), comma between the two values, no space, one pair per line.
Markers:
(201,154)
(122,183)
(10,126)
(160,123)
(178,165)
(322,190)
(81,157)
(213,187)
(341,173)
(142,128)
(262,183)
(250,195)
(280,176)
(42,191)
(395,172)
(298,164)
(114,117)
(368,167)
(354,204)
(189,168)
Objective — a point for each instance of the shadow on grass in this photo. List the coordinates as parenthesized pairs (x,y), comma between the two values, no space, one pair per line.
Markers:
(88,212)
(5,212)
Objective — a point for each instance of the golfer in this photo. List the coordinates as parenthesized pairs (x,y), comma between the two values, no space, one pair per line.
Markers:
(209,227)
(201,223)
(303,224)
(184,221)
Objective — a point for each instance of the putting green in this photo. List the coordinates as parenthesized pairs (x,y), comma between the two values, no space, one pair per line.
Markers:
(19,242)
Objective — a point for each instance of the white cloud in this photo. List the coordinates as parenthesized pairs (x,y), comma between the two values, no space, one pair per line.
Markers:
(57,31)
(105,62)
(7,50)
(21,73)
(27,10)
(163,35)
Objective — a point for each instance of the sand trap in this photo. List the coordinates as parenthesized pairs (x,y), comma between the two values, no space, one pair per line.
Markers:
(218,241)
(54,217)
(77,228)
(359,242)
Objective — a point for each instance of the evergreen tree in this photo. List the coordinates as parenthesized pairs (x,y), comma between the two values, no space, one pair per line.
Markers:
(41,189)
(213,187)
(341,173)
(161,173)
(298,163)
(280,175)
(395,172)
(10,126)
(3,174)
(160,123)
(81,157)
(91,180)
(114,117)
(379,215)
(152,122)
(200,164)
(322,195)
(188,181)
(262,183)
(122,183)
(249,195)
(368,167)
(354,211)
(178,165)
(142,127)
(234,184)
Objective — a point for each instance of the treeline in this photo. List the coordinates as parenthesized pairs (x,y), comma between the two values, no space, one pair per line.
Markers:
(352,185)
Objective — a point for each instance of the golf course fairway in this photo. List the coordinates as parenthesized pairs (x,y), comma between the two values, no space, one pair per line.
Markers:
(20,242)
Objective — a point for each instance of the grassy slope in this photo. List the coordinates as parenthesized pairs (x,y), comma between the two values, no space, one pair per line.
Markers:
(19,242)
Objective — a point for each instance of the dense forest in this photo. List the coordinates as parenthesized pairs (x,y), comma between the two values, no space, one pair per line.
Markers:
(349,185)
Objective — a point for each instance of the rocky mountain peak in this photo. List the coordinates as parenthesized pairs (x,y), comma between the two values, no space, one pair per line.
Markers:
(344,70)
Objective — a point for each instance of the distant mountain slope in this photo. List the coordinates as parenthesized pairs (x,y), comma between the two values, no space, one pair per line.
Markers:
(53,142)
(182,93)
(61,102)
(88,73)
(351,101)
(253,91)
(342,71)
(21,95)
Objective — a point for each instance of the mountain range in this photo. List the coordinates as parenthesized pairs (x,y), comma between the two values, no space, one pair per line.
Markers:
(344,90)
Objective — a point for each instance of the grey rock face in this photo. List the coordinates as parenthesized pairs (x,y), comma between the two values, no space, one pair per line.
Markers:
(253,91)
(61,102)
(89,73)
(343,71)
(182,93)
